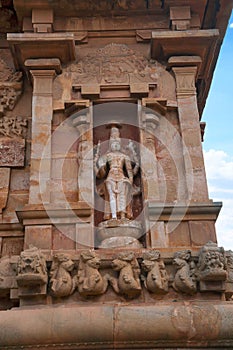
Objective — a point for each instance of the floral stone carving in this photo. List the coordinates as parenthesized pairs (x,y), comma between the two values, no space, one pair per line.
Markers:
(185,278)
(62,284)
(32,275)
(156,280)
(128,282)
(10,87)
(90,281)
(212,267)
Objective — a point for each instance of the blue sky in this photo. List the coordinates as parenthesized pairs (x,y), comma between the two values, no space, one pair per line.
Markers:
(218,144)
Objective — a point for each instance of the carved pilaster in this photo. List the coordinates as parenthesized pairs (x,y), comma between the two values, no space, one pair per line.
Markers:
(42,111)
(83,122)
(185,74)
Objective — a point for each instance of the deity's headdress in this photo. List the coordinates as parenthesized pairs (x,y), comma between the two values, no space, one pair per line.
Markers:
(114,135)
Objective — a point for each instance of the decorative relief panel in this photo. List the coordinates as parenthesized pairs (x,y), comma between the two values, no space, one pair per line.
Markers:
(91,274)
(113,64)
(10,87)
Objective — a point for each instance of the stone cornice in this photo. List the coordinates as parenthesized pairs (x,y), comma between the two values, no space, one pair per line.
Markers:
(41,45)
(191,211)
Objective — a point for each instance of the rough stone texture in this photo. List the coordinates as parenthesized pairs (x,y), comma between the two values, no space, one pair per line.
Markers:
(88,67)
(12,152)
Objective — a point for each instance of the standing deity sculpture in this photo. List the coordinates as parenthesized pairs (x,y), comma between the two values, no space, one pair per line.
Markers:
(117,170)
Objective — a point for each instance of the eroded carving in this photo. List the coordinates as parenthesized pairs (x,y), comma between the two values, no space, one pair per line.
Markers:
(128,282)
(185,278)
(62,284)
(13,127)
(10,87)
(114,63)
(7,276)
(156,280)
(212,263)
(32,272)
(12,152)
(90,281)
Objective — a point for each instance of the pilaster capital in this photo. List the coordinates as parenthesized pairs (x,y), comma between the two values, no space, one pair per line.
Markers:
(185,69)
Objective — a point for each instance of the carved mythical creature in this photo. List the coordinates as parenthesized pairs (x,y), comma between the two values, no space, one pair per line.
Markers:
(156,280)
(212,263)
(32,268)
(185,279)
(118,184)
(62,283)
(90,281)
(128,282)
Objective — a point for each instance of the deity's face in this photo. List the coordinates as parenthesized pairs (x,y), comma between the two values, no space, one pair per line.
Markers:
(115,146)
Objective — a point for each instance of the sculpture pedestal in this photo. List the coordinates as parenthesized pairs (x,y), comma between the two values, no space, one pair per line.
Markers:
(119,233)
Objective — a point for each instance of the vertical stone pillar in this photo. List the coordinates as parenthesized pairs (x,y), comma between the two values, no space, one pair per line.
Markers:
(84,125)
(185,74)
(42,112)
(150,181)
(43,72)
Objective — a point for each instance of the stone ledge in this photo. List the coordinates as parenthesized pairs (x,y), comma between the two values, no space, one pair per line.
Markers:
(197,324)
(52,212)
(191,211)
(34,45)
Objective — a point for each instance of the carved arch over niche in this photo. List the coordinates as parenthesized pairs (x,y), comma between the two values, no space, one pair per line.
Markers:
(114,67)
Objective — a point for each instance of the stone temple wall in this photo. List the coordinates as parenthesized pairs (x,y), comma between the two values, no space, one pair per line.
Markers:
(107,231)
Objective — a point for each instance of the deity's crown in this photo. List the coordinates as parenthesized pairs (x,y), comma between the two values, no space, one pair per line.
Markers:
(114,135)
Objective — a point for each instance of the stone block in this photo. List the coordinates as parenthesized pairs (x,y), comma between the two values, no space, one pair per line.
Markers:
(4,186)
(84,236)
(64,237)
(158,235)
(19,180)
(12,246)
(179,236)
(12,152)
(202,232)
(39,236)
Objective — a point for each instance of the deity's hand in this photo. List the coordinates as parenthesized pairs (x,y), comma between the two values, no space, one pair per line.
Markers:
(101,162)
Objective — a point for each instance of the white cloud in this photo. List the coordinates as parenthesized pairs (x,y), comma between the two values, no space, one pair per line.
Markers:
(231,25)
(219,170)
(219,165)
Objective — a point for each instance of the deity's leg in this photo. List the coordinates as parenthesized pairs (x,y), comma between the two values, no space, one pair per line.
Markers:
(121,199)
(112,199)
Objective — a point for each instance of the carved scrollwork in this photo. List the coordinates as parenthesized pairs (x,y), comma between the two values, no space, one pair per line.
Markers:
(156,280)
(185,278)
